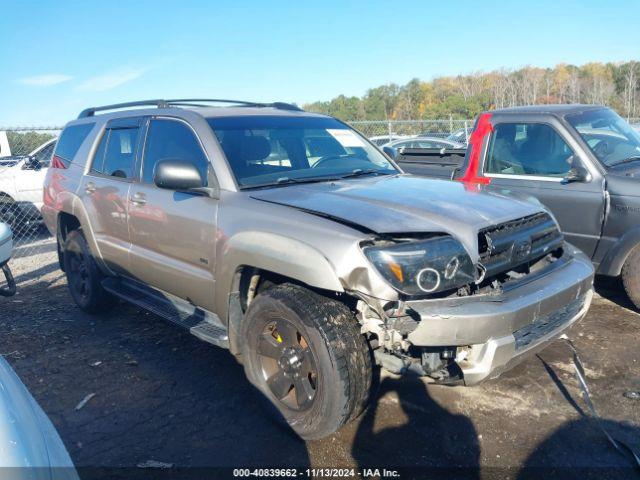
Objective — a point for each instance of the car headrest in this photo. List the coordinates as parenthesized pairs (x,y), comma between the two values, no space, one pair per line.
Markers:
(255,147)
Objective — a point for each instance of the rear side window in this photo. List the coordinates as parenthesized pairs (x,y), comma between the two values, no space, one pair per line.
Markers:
(70,141)
(116,153)
(172,140)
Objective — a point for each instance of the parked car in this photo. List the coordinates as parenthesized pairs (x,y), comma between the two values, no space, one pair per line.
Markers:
(581,161)
(423,142)
(5,149)
(460,136)
(30,447)
(304,264)
(384,139)
(6,247)
(21,182)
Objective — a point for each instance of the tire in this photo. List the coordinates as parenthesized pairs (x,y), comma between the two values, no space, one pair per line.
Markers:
(306,354)
(631,276)
(84,278)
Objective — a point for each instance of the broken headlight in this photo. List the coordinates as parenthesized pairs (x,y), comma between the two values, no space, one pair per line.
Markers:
(423,267)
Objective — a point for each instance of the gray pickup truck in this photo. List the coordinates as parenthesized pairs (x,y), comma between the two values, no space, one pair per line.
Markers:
(580,161)
(288,238)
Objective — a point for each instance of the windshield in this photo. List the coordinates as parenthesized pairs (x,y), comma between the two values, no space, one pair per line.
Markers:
(612,140)
(267,150)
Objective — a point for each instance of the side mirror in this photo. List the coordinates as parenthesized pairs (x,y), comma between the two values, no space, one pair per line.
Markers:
(31,164)
(178,175)
(577,173)
(391,152)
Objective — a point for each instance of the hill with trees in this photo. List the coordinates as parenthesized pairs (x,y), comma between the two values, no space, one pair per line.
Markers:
(465,96)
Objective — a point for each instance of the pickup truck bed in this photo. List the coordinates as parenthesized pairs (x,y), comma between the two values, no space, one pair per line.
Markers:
(431,162)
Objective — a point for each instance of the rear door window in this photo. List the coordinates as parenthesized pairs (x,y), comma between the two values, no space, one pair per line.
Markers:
(70,141)
(116,153)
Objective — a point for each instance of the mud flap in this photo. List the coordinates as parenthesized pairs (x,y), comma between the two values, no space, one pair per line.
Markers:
(620,446)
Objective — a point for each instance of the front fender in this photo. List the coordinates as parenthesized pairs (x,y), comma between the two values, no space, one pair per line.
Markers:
(274,253)
(618,254)
(285,256)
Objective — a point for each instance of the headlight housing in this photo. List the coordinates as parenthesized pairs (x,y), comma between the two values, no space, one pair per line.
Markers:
(423,267)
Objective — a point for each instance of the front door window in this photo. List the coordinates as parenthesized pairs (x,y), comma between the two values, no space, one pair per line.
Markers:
(534,149)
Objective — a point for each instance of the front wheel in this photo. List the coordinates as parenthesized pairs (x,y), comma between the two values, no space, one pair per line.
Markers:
(306,354)
(631,276)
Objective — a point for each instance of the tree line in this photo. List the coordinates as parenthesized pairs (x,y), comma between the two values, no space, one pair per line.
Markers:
(465,96)
(21,143)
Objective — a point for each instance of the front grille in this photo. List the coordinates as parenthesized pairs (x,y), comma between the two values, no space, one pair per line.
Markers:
(517,242)
(541,326)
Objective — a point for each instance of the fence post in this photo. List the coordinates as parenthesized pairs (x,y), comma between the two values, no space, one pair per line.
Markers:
(389,128)
(450,123)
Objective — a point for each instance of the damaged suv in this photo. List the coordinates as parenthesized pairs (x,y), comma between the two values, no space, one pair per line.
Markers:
(288,238)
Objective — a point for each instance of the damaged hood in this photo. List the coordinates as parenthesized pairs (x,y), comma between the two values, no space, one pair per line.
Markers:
(404,204)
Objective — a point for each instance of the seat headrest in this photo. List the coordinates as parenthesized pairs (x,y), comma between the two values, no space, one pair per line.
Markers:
(254,147)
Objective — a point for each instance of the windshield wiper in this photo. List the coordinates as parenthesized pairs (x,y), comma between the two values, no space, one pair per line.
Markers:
(283,181)
(358,172)
(634,158)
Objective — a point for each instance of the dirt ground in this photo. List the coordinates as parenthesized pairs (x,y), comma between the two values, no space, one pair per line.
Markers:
(163,395)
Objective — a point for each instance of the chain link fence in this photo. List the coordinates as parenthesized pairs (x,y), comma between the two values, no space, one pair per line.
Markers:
(25,155)
(456,129)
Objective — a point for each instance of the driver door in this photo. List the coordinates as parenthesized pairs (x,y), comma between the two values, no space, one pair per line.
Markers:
(173,234)
(532,159)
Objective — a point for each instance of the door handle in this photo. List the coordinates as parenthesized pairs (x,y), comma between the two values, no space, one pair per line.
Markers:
(90,188)
(138,199)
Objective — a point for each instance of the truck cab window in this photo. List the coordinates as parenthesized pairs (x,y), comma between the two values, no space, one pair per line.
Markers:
(528,149)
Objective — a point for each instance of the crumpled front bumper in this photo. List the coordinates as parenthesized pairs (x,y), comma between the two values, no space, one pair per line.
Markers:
(498,331)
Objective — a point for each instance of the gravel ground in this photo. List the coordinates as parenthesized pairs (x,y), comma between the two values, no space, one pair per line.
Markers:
(163,395)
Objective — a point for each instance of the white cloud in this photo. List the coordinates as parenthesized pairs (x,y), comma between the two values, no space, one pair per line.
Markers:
(45,80)
(108,81)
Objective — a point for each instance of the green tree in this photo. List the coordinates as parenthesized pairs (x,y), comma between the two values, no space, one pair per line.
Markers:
(22,143)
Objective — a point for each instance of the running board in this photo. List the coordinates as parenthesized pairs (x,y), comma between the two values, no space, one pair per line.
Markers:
(201,323)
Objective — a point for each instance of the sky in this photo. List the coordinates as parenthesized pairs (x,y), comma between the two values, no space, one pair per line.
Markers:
(59,56)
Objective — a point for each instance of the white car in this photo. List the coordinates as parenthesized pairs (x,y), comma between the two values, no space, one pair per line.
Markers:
(21,181)
(380,140)
(424,142)
(5,150)
(6,246)
(30,447)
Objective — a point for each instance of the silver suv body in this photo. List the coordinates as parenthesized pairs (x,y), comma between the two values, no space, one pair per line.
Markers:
(287,236)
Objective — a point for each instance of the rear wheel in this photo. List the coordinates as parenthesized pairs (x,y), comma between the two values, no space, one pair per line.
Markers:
(83,275)
(631,276)
(307,356)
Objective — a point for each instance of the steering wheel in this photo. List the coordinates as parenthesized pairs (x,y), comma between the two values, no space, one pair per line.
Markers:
(329,158)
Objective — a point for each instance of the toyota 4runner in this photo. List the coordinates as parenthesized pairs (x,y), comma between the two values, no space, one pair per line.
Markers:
(288,238)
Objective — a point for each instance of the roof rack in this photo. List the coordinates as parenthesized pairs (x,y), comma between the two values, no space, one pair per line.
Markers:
(185,102)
